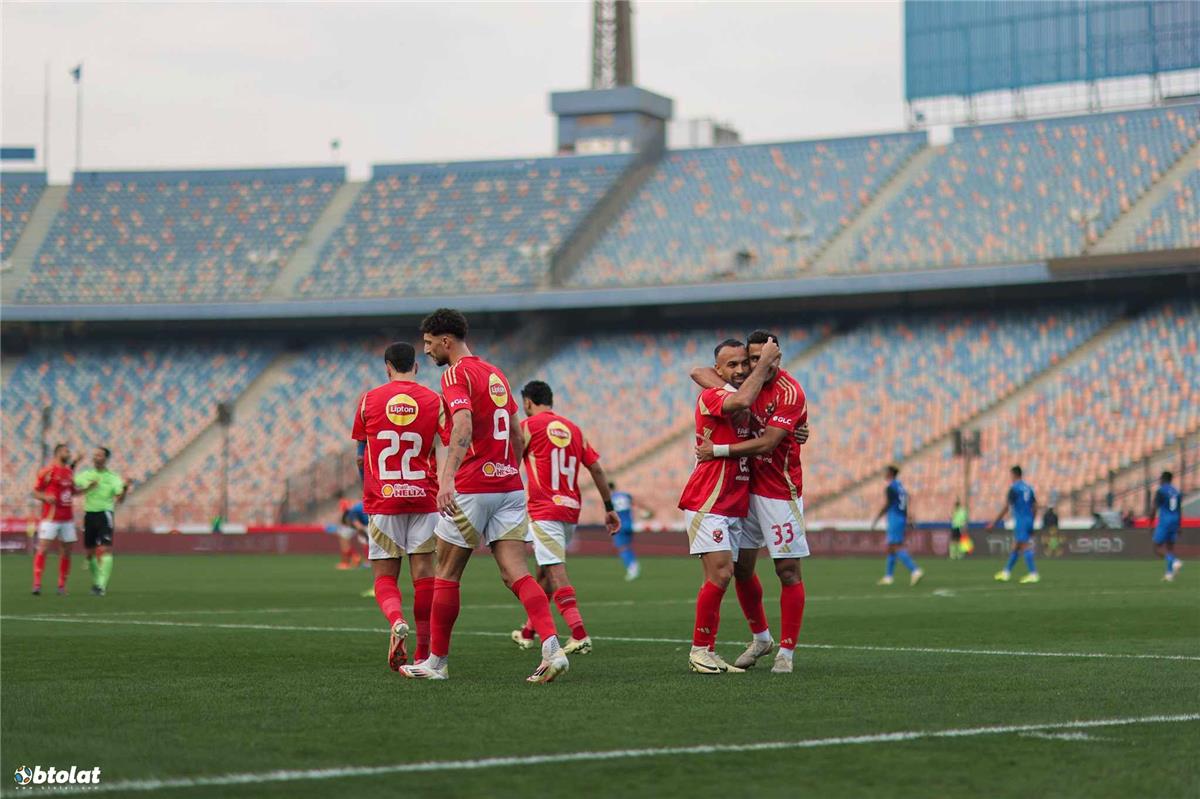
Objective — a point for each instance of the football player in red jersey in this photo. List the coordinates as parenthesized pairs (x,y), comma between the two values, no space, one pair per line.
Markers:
(717,494)
(480,495)
(555,448)
(399,423)
(55,487)
(779,423)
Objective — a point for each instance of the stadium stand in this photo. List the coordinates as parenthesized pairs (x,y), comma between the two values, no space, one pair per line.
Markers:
(889,386)
(1134,394)
(776,204)
(19,193)
(472,226)
(128,237)
(144,401)
(1024,191)
(1175,221)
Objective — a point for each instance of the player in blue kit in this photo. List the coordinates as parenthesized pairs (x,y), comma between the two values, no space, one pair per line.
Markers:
(1023,503)
(1167,509)
(623,538)
(896,509)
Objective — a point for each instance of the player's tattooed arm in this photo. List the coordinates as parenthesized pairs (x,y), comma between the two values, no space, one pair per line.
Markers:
(461,432)
(744,397)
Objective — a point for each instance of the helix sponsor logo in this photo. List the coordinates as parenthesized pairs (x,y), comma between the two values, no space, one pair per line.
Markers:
(401,491)
(498,470)
(566,502)
(36,776)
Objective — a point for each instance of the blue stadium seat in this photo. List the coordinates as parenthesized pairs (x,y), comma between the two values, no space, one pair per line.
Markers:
(19,193)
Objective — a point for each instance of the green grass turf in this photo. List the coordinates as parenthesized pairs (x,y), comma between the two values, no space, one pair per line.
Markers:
(164,701)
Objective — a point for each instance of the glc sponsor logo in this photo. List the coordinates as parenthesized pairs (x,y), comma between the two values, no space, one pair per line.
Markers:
(781,420)
(498,470)
(27,776)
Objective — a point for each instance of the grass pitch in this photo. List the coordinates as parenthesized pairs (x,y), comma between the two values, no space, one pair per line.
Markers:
(272,669)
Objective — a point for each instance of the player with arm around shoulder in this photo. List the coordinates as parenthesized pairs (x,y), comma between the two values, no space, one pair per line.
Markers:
(480,496)
(1023,503)
(1167,516)
(399,423)
(555,449)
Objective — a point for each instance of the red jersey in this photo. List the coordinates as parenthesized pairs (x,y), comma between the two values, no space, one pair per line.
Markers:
(490,466)
(58,480)
(722,485)
(554,450)
(782,404)
(400,422)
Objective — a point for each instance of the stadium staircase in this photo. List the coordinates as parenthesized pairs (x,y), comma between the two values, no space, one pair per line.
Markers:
(1082,352)
(1131,480)
(680,432)
(21,262)
(1120,234)
(305,258)
(209,438)
(570,254)
(835,254)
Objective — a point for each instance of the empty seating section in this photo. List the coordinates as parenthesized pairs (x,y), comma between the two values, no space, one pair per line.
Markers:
(144,401)
(19,193)
(1175,221)
(127,237)
(1130,397)
(304,417)
(1025,191)
(776,204)
(464,227)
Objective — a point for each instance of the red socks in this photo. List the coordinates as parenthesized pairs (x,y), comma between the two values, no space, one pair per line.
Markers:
(750,597)
(527,629)
(708,614)
(791,608)
(387,596)
(39,566)
(537,606)
(422,604)
(564,599)
(64,568)
(442,615)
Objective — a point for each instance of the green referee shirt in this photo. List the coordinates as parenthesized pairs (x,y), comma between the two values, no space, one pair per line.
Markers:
(103,495)
(959,519)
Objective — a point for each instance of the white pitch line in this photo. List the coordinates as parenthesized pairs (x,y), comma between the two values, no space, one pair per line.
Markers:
(617,639)
(296,775)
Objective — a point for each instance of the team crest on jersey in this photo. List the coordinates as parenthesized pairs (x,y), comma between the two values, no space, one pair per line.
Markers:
(401,409)
(497,390)
(558,433)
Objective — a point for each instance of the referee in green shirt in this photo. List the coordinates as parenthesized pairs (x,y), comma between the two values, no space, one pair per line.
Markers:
(102,489)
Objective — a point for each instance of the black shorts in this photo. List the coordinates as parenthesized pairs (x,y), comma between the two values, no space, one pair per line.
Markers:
(955,533)
(97,528)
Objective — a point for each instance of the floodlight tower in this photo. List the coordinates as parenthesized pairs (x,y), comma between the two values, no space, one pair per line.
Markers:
(612,44)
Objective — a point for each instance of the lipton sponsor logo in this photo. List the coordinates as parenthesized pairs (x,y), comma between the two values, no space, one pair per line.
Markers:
(401,410)
(497,390)
(558,433)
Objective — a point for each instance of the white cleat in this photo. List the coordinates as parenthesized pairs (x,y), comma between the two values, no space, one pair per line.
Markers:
(550,669)
(578,646)
(1169,578)
(723,666)
(700,660)
(398,646)
(633,572)
(885,580)
(1176,566)
(916,577)
(425,670)
(756,650)
(522,641)
(783,664)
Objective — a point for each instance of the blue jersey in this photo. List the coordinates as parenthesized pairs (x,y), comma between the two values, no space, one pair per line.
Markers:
(897,502)
(356,513)
(1166,500)
(1022,499)
(623,505)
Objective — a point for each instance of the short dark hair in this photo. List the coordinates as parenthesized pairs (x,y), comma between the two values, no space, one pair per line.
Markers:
(893,469)
(1016,471)
(1167,477)
(729,342)
(445,322)
(107,452)
(539,393)
(761,337)
(57,447)
(401,355)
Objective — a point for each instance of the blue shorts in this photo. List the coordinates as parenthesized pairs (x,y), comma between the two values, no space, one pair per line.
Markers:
(1165,533)
(622,538)
(1023,532)
(895,532)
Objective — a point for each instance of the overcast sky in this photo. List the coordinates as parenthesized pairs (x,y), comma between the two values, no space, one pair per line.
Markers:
(213,84)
